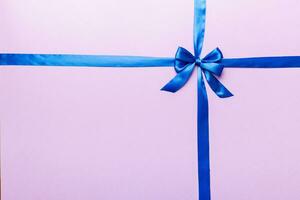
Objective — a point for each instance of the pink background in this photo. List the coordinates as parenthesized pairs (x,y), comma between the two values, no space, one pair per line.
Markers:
(99,133)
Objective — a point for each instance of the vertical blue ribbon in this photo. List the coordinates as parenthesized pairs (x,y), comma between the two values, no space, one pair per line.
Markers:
(185,63)
(207,67)
(202,107)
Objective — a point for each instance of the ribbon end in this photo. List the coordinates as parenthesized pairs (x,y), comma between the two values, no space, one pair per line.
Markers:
(223,92)
(226,95)
(179,80)
(167,89)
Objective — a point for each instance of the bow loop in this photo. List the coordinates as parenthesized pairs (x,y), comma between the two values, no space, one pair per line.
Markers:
(213,57)
(182,58)
(210,65)
(211,62)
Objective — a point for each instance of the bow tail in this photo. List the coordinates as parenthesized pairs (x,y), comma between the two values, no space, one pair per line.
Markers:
(180,79)
(216,85)
(203,140)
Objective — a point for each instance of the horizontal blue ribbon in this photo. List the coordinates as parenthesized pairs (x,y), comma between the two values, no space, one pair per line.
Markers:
(209,68)
(262,62)
(83,60)
(138,61)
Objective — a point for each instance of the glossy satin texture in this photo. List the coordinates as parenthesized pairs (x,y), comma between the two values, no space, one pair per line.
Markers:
(71,60)
(210,65)
(83,60)
(184,63)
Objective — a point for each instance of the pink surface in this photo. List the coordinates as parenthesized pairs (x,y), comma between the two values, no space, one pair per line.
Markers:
(94,133)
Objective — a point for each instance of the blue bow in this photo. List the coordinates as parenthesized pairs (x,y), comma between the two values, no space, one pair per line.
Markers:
(185,64)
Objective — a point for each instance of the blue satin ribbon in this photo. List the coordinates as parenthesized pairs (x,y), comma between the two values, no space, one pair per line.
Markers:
(208,68)
(83,60)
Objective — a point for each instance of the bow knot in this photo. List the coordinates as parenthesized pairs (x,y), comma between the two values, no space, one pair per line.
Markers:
(198,62)
(210,65)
